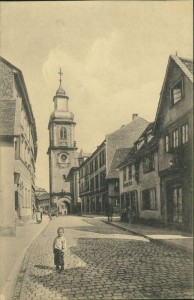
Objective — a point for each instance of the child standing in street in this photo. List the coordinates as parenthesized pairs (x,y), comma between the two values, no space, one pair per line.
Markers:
(59,247)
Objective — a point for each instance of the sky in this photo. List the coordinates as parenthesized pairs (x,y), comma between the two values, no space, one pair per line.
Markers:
(113,56)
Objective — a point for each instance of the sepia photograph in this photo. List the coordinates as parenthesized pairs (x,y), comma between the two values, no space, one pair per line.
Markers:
(96,150)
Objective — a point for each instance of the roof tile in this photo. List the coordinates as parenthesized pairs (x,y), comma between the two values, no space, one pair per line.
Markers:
(7,117)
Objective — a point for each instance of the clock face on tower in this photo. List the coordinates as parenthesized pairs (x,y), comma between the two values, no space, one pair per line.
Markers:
(63,158)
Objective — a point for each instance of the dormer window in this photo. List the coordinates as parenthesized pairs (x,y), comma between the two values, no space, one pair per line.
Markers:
(177,91)
(140,143)
(63,133)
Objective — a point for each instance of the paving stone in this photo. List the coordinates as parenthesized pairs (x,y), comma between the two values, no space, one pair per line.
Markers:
(99,264)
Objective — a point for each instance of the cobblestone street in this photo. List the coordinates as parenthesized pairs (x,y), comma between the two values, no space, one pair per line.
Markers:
(103,262)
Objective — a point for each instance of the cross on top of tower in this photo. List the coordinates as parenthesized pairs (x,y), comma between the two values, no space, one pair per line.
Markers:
(60,75)
(60,90)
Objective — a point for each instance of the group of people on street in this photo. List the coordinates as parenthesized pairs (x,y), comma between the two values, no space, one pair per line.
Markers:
(127,214)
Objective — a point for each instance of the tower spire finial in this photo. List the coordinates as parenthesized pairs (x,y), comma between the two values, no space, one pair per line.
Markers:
(60,75)
(60,90)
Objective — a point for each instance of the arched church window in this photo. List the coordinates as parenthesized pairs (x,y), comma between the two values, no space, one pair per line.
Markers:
(63,133)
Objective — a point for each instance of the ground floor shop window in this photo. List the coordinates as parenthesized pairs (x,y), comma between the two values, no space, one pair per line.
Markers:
(149,199)
(177,201)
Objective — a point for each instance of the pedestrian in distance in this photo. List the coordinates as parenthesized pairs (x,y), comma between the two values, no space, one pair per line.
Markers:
(59,247)
(38,216)
(109,211)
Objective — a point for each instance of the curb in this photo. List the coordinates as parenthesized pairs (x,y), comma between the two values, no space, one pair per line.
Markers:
(9,286)
(162,242)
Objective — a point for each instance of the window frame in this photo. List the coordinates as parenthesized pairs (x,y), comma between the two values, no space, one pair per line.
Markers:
(125,174)
(167,143)
(185,130)
(149,164)
(149,205)
(176,83)
(175,138)
(130,174)
(63,133)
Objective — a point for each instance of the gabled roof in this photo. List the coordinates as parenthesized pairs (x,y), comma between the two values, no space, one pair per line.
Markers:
(7,117)
(147,148)
(22,86)
(42,197)
(134,154)
(128,157)
(123,138)
(120,154)
(148,128)
(186,65)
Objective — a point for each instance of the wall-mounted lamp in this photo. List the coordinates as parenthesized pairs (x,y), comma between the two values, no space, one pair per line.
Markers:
(16,178)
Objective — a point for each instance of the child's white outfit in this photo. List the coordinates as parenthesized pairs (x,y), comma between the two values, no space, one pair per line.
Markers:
(59,246)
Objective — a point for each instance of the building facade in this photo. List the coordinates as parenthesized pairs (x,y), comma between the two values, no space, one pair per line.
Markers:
(62,150)
(92,182)
(18,149)
(156,177)
(139,178)
(42,199)
(99,185)
(174,124)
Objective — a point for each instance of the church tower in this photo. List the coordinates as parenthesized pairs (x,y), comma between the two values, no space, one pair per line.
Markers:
(62,149)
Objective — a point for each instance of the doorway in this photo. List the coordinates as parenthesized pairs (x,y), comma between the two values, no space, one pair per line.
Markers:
(174,196)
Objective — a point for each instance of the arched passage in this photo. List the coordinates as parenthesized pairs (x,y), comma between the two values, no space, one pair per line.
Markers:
(64,206)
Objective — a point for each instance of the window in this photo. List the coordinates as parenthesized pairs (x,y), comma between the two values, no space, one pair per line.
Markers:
(87,169)
(86,187)
(81,173)
(177,199)
(167,143)
(102,158)
(96,163)
(148,163)
(17,149)
(96,182)
(184,133)
(175,138)
(63,133)
(149,199)
(91,167)
(129,172)
(177,92)
(124,174)
(102,179)
(92,184)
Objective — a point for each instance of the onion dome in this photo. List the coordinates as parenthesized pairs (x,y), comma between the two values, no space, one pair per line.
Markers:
(60,91)
(61,111)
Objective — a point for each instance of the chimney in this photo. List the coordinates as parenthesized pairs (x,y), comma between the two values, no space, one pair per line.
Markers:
(134,116)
